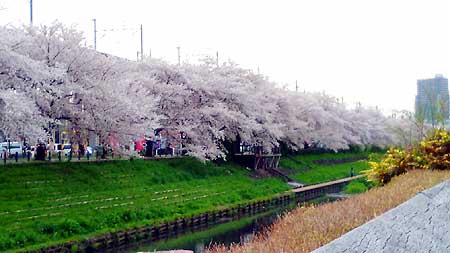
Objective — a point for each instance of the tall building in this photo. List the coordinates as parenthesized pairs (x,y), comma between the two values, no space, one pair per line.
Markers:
(432,100)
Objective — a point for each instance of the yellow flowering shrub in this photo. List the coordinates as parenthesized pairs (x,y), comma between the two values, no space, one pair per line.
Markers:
(432,153)
(435,151)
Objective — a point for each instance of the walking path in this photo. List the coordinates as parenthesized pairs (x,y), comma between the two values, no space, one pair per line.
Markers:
(314,186)
(419,225)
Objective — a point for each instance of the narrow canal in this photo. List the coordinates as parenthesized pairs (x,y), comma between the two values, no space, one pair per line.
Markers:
(231,232)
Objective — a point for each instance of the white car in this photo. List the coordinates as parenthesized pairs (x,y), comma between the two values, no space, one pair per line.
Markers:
(14,147)
(3,148)
(63,148)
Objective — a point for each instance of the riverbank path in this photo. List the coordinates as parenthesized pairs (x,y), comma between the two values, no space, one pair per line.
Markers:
(320,185)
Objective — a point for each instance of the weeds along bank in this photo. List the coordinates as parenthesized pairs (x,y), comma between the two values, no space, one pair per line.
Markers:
(306,229)
(44,204)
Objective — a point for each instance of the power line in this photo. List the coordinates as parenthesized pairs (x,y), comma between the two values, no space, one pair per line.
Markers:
(119,30)
(103,32)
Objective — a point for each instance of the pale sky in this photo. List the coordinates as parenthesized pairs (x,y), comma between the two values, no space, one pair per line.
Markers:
(367,51)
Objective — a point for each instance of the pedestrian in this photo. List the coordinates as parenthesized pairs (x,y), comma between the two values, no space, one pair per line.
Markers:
(170,149)
(40,152)
(149,148)
(352,173)
(24,151)
(70,152)
(82,150)
(104,152)
(51,148)
(75,149)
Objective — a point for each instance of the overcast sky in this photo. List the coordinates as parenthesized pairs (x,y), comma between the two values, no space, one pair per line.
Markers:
(368,51)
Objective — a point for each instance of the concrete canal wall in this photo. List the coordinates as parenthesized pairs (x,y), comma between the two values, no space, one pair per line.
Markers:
(419,225)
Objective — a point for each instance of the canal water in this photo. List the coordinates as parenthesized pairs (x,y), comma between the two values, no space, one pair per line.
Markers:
(232,232)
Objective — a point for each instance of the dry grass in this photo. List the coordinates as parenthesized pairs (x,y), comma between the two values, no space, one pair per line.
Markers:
(307,228)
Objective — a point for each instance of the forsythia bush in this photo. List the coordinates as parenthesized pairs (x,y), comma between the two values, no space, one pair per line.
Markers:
(432,153)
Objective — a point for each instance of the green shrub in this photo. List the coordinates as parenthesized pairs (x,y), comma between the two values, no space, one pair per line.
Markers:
(23,238)
(355,187)
(74,248)
(46,228)
(5,242)
(113,219)
(69,227)
(128,216)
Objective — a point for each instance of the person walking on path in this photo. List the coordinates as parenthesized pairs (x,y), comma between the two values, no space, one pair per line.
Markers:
(352,172)
(51,148)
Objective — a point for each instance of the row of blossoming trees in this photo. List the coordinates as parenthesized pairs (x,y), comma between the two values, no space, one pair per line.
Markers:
(47,77)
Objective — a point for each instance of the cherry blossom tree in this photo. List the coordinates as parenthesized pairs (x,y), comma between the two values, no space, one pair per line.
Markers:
(47,70)
(19,117)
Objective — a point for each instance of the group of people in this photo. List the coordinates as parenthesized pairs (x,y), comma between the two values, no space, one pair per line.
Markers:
(150,147)
(43,151)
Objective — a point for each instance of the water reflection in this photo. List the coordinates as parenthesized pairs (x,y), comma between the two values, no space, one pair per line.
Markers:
(240,231)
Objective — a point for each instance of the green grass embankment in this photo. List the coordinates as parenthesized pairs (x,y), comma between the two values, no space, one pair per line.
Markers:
(358,186)
(318,168)
(44,204)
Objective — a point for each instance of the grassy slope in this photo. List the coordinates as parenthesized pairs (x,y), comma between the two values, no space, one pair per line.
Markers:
(307,171)
(45,203)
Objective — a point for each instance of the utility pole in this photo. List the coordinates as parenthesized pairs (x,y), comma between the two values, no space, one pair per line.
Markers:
(142,45)
(150,53)
(178,48)
(95,34)
(296,86)
(217,58)
(31,12)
